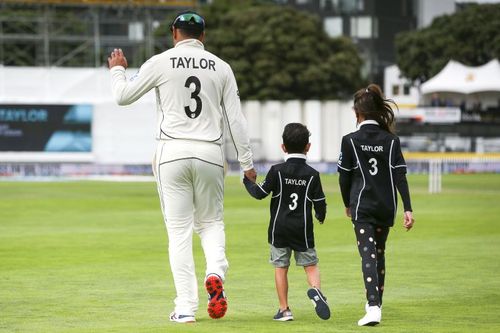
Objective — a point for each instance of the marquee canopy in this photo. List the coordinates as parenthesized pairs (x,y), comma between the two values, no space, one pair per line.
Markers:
(455,77)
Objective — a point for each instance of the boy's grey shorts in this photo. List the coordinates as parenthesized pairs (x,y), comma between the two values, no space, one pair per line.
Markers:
(280,257)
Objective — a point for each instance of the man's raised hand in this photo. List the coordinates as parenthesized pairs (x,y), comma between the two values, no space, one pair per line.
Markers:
(117,58)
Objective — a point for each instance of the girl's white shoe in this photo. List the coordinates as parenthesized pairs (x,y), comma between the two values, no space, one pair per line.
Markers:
(372,317)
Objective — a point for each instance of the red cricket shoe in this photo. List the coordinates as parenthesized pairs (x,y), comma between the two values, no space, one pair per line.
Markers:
(217,302)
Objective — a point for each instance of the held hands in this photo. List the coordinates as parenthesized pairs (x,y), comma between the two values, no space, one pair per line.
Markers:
(348,212)
(251,175)
(117,58)
(408,220)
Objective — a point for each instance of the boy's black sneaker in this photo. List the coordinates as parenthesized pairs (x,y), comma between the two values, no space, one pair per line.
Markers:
(285,315)
(320,303)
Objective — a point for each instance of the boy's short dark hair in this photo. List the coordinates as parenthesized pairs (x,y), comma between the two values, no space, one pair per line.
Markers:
(295,138)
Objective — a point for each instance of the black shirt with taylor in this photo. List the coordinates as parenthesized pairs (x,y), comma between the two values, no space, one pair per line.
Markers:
(371,167)
(296,188)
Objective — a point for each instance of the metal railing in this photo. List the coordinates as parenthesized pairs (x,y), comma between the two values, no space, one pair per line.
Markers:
(434,166)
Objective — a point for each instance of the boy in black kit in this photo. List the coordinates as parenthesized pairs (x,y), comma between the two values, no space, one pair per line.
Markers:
(295,188)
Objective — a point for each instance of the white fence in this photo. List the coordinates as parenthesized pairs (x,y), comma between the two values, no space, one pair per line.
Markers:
(327,122)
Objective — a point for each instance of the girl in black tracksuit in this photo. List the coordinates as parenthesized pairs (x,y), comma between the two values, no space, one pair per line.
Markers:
(371,167)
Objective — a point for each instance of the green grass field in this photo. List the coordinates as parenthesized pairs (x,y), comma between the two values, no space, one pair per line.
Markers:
(92,257)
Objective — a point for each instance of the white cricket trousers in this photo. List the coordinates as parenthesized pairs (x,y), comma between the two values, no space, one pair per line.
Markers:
(190,179)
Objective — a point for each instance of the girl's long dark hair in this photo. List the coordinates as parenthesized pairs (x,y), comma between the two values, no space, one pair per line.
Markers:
(371,104)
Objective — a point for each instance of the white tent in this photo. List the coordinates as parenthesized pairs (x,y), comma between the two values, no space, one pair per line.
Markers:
(458,78)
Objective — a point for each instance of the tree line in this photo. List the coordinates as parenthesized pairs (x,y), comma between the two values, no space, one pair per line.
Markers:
(278,52)
(470,36)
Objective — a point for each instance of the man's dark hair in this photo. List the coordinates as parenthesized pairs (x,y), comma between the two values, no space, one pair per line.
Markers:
(190,24)
(295,138)
(191,33)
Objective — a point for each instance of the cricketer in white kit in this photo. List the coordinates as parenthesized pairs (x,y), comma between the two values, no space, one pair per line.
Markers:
(196,92)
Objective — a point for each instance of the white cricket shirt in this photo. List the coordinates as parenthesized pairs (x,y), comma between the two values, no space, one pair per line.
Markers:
(196,92)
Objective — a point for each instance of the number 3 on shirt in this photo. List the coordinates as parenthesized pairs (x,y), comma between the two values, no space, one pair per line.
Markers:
(294,197)
(374,170)
(194,95)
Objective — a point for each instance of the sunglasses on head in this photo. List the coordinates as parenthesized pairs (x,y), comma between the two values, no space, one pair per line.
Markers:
(188,18)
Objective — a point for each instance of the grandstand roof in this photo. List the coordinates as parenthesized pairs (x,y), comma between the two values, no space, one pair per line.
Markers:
(458,78)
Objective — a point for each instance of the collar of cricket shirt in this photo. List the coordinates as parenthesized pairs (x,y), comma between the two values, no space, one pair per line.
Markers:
(190,42)
(368,122)
(287,156)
